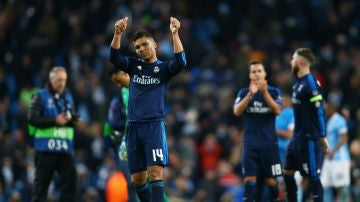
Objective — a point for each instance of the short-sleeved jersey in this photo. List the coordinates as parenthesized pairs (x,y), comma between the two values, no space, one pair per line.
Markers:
(148,84)
(308,107)
(259,119)
(284,121)
(335,126)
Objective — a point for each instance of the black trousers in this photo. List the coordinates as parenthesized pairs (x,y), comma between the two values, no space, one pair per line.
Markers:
(46,164)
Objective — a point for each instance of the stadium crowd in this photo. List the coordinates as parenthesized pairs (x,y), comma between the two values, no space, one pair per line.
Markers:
(204,137)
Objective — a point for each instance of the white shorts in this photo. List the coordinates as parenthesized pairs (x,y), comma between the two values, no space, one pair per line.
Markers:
(335,173)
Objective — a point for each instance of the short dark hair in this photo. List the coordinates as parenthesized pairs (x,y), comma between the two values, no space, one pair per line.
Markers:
(306,53)
(142,33)
(255,62)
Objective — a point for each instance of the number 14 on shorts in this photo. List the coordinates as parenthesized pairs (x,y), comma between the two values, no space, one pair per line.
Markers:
(157,153)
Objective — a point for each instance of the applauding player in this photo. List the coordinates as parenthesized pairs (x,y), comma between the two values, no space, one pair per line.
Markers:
(260,104)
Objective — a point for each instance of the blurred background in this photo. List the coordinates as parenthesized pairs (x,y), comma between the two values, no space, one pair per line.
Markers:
(220,37)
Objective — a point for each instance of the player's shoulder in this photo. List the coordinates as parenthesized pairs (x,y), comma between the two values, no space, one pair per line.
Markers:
(339,118)
(270,87)
(311,80)
(274,89)
(135,60)
(311,83)
(162,63)
(243,90)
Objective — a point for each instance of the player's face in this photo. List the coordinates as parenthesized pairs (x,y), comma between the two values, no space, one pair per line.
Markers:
(294,65)
(58,82)
(121,79)
(330,109)
(257,72)
(146,49)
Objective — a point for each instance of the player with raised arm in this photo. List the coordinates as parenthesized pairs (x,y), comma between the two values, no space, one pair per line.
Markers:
(149,79)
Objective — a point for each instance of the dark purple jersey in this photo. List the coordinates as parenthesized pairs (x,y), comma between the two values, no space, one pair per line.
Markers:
(309,113)
(259,119)
(148,84)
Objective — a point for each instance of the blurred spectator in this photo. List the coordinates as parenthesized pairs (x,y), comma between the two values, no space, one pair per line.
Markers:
(209,153)
(355,169)
(230,182)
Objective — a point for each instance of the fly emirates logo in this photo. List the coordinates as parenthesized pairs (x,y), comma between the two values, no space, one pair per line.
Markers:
(145,80)
(258,108)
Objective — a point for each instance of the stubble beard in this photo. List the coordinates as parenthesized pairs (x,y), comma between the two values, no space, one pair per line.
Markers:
(145,57)
(294,69)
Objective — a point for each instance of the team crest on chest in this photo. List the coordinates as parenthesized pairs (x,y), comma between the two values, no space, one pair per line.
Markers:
(156,69)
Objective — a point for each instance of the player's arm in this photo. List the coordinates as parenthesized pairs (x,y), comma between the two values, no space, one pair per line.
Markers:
(240,107)
(325,148)
(116,58)
(285,133)
(343,139)
(273,105)
(180,59)
(316,100)
(242,102)
(174,28)
(119,28)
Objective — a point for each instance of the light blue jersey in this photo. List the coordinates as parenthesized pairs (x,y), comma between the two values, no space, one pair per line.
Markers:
(284,121)
(336,125)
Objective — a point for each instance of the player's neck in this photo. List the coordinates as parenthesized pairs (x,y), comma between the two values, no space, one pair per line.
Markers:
(303,71)
(151,60)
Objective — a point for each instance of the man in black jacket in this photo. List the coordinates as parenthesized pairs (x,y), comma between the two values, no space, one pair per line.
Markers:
(51,119)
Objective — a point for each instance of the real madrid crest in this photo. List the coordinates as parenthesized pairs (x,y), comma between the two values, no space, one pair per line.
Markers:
(156,69)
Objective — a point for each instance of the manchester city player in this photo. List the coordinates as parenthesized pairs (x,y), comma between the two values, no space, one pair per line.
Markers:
(259,103)
(149,78)
(335,173)
(305,150)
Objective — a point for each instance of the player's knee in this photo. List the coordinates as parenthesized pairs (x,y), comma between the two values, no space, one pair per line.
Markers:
(136,183)
(155,173)
(138,180)
(250,179)
(289,172)
(271,181)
